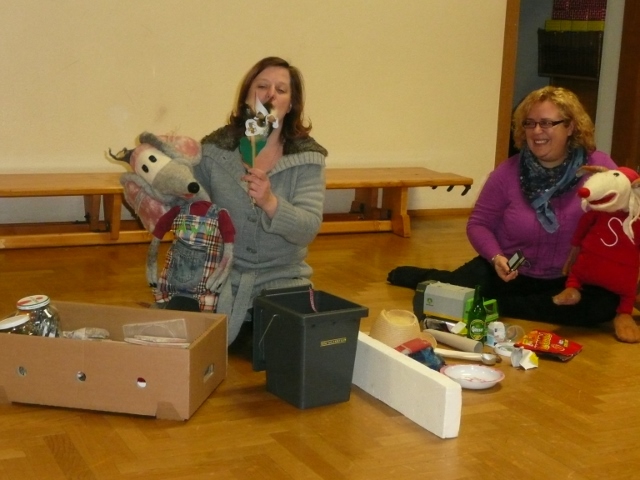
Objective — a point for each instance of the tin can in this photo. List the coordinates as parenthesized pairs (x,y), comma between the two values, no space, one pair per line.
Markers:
(43,315)
(17,324)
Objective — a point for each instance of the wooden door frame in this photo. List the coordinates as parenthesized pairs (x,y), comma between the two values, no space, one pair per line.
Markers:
(625,139)
(507,82)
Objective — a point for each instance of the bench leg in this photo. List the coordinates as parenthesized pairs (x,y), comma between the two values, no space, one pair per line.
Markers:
(92,211)
(366,202)
(394,199)
(112,212)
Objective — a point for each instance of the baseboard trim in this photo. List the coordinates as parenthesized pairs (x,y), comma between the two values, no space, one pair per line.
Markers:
(440,212)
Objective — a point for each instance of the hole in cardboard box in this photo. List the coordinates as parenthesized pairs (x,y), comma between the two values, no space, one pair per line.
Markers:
(141,382)
(22,371)
(208,372)
(81,376)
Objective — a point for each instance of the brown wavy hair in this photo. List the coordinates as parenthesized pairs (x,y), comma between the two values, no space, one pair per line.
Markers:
(571,110)
(293,125)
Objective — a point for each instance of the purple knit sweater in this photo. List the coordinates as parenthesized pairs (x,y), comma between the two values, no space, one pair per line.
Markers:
(503,221)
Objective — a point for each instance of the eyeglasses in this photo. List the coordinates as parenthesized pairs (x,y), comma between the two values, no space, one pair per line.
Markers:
(544,124)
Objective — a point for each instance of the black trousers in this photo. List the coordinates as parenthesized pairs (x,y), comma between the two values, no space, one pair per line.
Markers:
(524,297)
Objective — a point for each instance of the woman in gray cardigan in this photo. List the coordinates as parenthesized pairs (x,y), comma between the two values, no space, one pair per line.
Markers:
(276,205)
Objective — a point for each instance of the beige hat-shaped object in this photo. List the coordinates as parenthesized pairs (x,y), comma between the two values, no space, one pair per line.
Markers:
(395,327)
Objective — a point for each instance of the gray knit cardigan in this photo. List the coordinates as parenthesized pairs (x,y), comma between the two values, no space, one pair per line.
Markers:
(268,253)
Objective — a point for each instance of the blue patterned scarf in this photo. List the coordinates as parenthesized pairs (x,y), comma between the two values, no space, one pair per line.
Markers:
(540,184)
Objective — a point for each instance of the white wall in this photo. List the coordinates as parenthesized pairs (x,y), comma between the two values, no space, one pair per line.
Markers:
(411,82)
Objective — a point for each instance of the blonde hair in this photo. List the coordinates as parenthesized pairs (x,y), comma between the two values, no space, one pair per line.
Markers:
(571,110)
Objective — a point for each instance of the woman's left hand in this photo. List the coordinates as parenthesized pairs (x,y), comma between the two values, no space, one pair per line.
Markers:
(500,263)
(260,190)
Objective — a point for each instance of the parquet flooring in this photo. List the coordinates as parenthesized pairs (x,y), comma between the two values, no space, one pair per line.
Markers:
(574,420)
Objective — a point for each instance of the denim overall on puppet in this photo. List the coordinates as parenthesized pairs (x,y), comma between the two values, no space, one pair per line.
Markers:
(165,196)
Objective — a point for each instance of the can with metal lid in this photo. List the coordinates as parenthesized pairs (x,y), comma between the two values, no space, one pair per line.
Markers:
(18,324)
(43,315)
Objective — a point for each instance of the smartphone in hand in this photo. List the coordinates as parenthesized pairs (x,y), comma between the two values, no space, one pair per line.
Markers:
(515,261)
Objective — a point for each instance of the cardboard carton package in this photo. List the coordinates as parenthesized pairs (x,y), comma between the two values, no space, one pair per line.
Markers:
(111,375)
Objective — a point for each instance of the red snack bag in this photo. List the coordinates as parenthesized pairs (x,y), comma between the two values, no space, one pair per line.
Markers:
(550,344)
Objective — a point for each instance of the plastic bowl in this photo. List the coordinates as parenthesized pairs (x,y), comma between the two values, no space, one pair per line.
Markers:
(474,377)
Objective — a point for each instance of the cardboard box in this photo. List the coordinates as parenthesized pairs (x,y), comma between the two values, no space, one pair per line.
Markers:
(111,375)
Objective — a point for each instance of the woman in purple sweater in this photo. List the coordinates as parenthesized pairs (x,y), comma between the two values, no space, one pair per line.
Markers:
(530,203)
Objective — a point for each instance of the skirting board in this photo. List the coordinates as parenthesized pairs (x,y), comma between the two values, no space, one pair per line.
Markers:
(426,397)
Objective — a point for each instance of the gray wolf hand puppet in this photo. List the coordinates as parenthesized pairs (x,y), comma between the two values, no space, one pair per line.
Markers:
(165,196)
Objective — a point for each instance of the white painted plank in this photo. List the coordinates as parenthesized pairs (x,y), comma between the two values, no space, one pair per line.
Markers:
(423,395)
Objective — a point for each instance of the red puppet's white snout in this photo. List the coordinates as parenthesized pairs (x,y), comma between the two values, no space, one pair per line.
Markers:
(608,190)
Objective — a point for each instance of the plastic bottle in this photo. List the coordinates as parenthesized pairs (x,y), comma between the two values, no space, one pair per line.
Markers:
(476,323)
(496,333)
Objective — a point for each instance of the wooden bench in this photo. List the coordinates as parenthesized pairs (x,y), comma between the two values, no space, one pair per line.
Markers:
(391,215)
(105,189)
(96,188)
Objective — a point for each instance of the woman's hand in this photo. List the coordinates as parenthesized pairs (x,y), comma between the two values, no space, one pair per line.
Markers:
(502,268)
(260,190)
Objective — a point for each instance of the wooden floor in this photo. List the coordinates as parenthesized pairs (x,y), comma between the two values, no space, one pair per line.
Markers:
(575,420)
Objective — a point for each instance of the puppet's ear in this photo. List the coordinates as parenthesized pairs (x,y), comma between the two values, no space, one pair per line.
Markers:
(189,149)
(634,210)
(591,169)
(636,184)
(147,208)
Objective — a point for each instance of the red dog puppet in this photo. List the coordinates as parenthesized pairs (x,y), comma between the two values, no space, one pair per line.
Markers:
(606,244)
